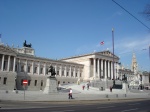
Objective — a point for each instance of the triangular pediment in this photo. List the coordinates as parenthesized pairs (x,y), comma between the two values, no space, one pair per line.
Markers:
(108,53)
(7,50)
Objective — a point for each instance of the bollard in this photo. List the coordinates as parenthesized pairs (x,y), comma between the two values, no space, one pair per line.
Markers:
(16,92)
(125,95)
(106,96)
(117,95)
(6,91)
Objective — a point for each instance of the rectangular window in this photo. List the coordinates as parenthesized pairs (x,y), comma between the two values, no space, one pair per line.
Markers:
(67,73)
(80,75)
(62,73)
(5,80)
(35,69)
(76,75)
(22,68)
(29,81)
(35,83)
(41,71)
(41,83)
(21,81)
(71,74)
(29,69)
(57,72)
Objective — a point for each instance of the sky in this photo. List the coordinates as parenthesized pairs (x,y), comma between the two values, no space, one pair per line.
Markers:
(64,28)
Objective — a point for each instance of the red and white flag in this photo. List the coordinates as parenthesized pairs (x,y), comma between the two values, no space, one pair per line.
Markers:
(102,42)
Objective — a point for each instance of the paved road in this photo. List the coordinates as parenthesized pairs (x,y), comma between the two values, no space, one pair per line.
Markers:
(97,106)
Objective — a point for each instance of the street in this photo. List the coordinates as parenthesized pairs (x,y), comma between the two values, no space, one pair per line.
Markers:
(97,106)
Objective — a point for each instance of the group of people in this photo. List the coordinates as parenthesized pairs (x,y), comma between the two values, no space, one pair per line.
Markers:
(87,86)
(70,91)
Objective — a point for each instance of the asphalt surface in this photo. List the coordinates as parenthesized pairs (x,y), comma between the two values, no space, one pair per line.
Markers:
(97,106)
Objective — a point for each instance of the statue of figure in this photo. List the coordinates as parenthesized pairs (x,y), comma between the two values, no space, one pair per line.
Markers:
(124,78)
(52,71)
(26,45)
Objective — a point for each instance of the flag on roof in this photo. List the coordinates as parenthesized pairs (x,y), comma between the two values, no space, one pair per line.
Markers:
(102,42)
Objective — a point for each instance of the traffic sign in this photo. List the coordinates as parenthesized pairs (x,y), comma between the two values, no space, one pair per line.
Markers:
(25,82)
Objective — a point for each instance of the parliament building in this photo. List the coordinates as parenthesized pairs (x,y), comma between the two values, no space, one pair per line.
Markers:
(17,64)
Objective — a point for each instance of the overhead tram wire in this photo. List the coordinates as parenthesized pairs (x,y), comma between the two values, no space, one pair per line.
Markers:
(131,15)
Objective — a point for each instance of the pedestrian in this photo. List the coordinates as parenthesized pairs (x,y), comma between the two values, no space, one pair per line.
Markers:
(110,89)
(83,87)
(70,94)
(87,86)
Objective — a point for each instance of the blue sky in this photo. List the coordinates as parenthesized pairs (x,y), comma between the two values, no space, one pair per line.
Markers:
(64,28)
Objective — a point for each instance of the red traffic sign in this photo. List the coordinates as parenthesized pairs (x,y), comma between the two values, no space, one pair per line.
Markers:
(25,82)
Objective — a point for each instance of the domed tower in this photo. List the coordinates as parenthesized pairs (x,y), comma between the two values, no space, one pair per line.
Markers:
(134,65)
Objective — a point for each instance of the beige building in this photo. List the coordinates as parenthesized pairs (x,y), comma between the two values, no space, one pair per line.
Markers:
(97,65)
(17,64)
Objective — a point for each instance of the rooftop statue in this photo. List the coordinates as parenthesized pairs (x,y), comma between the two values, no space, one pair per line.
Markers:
(27,45)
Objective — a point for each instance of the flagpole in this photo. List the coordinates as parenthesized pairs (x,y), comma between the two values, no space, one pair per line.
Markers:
(113,52)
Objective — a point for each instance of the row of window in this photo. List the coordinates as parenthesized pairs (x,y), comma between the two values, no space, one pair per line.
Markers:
(41,71)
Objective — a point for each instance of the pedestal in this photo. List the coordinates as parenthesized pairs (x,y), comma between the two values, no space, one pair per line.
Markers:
(51,85)
(125,87)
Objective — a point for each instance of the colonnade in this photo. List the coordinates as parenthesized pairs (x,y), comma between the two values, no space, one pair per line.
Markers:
(8,63)
(11,63)
(103,68)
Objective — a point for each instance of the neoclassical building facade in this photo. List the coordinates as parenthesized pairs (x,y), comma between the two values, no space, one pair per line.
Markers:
(17,64)
(97,65)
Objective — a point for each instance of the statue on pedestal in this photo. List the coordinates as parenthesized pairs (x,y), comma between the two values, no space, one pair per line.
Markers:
(52,71)
(124,79)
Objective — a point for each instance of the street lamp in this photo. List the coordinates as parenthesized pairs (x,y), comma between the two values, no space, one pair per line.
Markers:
(113,56)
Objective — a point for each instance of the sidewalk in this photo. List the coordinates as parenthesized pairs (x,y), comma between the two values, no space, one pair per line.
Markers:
(78,94)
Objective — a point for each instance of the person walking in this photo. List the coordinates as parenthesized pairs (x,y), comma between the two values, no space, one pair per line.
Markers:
(88,86)
(70,94)
(83,87)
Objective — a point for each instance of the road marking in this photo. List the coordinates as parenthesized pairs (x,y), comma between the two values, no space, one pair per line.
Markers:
(105,107)
(134,104)
(129,110)
(68,110)
(63,111)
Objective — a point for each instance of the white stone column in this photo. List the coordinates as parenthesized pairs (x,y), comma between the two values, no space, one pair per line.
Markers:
(94,68)
(89,68)
(60,71)
(116,66)
(78,73)
(44,72)
(65,71)
(70,71)
(39,66)
(32,67)
(14,65)
(8,66)
(56,69)
(109,69)
(74,71)
(105,70)
(2,66)
(26,66)
(98,68)
(102,70)
(18,65)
